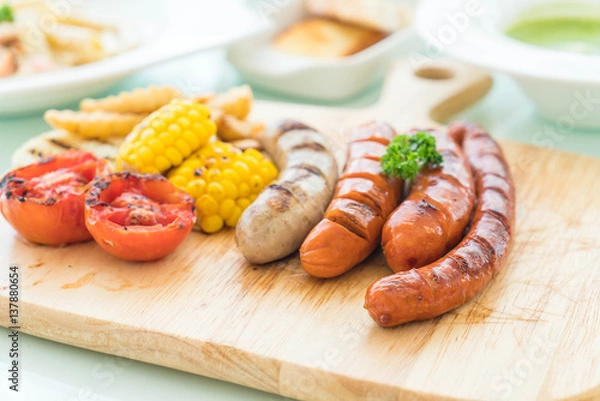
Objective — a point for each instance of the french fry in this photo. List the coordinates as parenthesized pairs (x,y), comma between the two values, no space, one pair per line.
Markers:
(230,128)
(236,101)
(140,100)
(96,124)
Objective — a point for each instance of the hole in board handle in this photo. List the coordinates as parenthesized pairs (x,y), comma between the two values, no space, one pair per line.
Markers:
(435,73)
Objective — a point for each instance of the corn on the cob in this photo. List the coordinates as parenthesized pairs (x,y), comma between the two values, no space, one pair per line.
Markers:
(166,137)
(95,124)
(224,181)
(140,100)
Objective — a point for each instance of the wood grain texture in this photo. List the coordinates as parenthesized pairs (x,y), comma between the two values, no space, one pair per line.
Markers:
(533,333)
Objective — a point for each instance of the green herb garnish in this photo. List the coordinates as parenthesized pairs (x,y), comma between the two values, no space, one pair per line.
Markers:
(407,154)
(6,14)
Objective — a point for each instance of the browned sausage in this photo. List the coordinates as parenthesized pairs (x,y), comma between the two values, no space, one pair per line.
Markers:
(451,281)
(351,227)
(433,217)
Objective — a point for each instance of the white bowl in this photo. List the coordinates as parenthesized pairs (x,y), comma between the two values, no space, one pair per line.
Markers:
(166,29)
(565,86)
(310,77)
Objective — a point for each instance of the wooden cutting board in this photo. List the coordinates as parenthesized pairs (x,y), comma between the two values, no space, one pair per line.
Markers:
(534,333)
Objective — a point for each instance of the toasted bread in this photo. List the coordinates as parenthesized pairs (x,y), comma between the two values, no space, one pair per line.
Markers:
(382,15)
(321,37)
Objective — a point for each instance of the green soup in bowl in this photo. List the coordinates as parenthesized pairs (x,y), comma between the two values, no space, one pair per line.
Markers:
(559,31)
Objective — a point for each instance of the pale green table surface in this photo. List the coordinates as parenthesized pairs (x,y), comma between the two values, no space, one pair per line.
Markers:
(53,371)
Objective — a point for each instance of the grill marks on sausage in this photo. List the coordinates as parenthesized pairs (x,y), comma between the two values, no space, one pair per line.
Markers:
(363,197)
(374,132)
(414,235)
(308,168)
(295,146)
(314,146)
(291,125)
(281,201)
(466,270)
(354,216)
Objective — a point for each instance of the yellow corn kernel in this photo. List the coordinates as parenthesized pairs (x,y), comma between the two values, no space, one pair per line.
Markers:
(216,190)
(256,183)
(196,188)
(268,171)
(226,208)
(211,224)
(232,220)
(207,205)
(230,189)
(254,154)
(162,163)
(241,169)
(251,162)
(156,146)
(231,176)
(180,182)
(244,190)
(243,203)
(164,139)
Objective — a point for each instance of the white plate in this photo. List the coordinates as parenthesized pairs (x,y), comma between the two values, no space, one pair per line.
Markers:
(166,28)
(310,77)
(565,86)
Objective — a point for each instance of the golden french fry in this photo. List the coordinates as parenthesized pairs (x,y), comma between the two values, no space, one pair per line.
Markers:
(140,100)
(96,124)
(204,98)
(236,101)
(230,128)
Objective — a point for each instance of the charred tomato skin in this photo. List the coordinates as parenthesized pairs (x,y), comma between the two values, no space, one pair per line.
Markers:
(138,217)
(44,201)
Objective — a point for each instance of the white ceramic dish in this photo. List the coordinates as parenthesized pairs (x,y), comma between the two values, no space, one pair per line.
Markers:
(310,77)
(565,86)
(166,29)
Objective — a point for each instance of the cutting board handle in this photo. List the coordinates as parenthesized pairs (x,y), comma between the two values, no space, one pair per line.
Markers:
(431,92)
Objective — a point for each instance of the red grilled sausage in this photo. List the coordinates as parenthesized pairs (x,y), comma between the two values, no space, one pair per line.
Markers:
(453,280)
(433,217)
(364,197)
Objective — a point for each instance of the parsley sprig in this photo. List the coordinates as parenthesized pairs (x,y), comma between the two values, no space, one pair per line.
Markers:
(407,154)
(6,14)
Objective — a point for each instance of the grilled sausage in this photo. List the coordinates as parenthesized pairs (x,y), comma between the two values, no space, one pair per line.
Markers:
(351,227)
(277,222)
(453,280)
(433,217)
